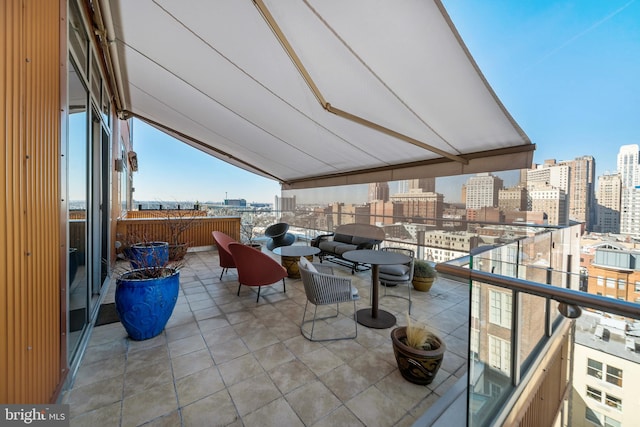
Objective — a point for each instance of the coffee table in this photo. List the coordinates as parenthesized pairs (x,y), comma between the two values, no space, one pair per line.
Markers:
(290,255)
(373,317)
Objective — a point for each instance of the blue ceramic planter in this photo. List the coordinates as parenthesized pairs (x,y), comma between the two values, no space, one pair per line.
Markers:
(148,254)
(145,305)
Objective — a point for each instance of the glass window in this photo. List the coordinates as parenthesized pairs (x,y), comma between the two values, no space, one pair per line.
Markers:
(500,354)
(611,283)
(622,284)
(594,393)
(594,368)
(500,308)
(614,375)
(637,286)
(600,281)
(592,416)
(610,422)
(614,402)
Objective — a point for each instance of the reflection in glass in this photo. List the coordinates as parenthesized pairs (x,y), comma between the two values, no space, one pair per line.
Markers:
(77,197)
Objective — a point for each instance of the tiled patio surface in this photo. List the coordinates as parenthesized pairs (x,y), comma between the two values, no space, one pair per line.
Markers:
(225,360)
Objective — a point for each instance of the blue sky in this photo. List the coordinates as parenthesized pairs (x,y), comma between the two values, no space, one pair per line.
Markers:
(567,71)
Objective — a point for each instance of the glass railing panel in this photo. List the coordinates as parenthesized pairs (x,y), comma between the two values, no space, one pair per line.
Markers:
(490,352)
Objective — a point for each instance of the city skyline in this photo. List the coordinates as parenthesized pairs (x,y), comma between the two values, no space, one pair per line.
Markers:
(565,72)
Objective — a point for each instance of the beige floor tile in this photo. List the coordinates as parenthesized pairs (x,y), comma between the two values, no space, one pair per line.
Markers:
(370,366)
(228,350)
(213,323)
(198,385)
(190,363)
(239,317)
(259,339)
(158,340)
(253,393)
(219,336)
(95,395)
(346,350)
(345,382)
(215,410)
(182,331)
(186,345)
(107,333)
(312,402)
(169,420)
(107,416)
(147,356)
(402,392)
(321,361)
(291,375)
(299,345)
(147,377)
(373,408)
(240,369)
(342,417)
(274,355)
(149,405)
(207,313)
(101,370)
(276,413)
(104,351)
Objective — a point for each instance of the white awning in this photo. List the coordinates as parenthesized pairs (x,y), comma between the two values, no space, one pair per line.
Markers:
(312,92)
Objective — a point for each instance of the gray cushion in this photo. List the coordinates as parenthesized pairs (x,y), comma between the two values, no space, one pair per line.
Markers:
(343,238)
(394,269)
(344,248)
(357,240)
(386,278)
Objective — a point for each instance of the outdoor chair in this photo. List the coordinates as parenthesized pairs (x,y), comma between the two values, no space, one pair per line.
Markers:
(222,242)
(322,287)
(256,268)
(397,274)
(278,236)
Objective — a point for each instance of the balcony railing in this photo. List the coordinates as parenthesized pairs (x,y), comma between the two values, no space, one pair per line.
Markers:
(523,367)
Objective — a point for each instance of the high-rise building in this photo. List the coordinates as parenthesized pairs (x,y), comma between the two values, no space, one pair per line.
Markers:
(581,191)
(428,185)
(378,191)
(418,207)
(609,197)
(482,190)
(629,165)
(285,204)
(629,170)
(550,200)
(513,198)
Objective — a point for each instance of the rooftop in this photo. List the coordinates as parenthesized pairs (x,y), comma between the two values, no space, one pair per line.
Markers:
(224,359)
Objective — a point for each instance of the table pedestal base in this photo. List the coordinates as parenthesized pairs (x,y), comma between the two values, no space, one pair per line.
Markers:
(291,264)
(383,321)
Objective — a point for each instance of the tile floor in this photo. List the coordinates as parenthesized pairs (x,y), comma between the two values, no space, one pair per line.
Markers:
(225,360)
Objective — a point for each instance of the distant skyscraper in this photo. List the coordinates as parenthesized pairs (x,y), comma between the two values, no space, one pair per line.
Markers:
(629,165)
(378,191)
(609,197)
(482,190)
(629,170)
(428,185)
(513,199)
(285,204)
(581,191)
(550,200)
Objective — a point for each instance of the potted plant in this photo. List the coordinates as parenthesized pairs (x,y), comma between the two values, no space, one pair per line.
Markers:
(418,352)
(147,294)
(424,273)
(178,221)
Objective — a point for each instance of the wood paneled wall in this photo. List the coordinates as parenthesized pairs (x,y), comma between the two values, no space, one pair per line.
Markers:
(30,243)
(199,234)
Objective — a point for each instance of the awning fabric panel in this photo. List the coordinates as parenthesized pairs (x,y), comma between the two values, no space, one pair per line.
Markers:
(214,75)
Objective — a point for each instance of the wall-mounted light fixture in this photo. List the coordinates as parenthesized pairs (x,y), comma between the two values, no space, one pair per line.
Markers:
(133,160)
(119,165)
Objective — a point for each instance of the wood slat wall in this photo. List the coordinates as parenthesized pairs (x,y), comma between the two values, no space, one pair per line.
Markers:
(30,325)
(199,234)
